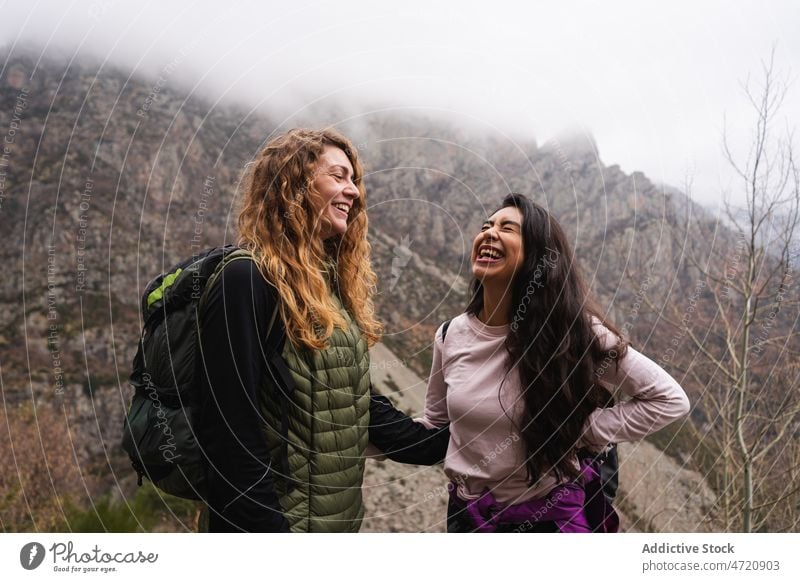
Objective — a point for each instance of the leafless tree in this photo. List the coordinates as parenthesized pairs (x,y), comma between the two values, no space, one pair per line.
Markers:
(743,340)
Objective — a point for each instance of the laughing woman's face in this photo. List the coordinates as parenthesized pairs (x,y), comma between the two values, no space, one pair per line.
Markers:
(497,251)
(337,191)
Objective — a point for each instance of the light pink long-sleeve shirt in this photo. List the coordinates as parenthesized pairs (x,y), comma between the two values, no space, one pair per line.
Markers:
(469,388)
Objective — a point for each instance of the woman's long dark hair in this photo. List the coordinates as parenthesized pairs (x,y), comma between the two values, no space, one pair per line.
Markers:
(552,344)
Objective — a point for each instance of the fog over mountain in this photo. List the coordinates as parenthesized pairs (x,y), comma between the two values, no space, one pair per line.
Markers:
(655,84)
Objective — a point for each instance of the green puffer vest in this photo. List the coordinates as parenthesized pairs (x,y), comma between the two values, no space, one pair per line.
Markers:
(328,431)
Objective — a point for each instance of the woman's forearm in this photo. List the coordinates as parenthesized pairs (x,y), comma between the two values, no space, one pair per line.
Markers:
(403,440)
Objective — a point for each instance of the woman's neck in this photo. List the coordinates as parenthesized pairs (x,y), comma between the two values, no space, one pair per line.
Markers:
(496,305)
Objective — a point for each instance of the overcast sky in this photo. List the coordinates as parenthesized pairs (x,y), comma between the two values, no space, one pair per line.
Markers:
(652,81)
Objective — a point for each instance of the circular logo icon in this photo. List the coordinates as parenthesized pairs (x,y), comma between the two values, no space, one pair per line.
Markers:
(31,555)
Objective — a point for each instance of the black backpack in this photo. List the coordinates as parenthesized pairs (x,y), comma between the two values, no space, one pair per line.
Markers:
(607,460)
(159,435)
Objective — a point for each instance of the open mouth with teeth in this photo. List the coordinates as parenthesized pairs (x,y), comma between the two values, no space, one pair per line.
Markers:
(341,207)
(488,255)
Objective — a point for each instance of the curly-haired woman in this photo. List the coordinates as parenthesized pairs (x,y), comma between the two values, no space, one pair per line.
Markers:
(286,431)
(525,379)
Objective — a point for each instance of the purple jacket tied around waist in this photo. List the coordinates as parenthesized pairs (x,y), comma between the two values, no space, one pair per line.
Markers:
(578,506)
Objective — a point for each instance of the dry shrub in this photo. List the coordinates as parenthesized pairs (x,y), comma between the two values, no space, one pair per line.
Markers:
(39,471)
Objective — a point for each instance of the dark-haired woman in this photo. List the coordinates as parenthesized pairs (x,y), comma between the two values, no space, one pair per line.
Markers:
(287,406)
(525,377)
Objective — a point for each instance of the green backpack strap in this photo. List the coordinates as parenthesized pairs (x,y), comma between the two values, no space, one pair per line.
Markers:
(237,255)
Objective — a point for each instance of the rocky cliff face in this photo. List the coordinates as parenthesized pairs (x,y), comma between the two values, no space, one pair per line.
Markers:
(110,178)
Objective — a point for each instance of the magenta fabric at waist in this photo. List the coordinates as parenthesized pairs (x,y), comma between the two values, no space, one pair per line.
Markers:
(575,507)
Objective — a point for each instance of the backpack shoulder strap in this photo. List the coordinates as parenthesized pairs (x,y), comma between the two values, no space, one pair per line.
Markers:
(229,257)
(281,378)
(445,325)
(276,332)
(282,381)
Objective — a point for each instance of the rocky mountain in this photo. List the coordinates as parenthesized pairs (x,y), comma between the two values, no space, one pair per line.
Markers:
(107,179)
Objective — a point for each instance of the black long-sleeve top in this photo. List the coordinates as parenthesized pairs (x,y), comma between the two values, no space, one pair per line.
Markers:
(241,492)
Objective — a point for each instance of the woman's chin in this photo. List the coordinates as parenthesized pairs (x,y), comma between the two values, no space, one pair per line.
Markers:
(331,230)
(492,275)
(482,272)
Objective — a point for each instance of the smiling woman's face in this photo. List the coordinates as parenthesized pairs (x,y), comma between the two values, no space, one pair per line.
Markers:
(337,192)
(497,251)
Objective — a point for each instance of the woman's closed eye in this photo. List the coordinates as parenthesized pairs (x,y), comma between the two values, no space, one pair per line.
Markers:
(507,228)
(339,177)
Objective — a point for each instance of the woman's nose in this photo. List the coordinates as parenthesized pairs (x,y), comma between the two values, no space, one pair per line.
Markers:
(351,190)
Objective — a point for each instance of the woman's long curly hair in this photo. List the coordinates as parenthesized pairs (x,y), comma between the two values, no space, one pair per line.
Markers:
(552,345)
(279,224)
